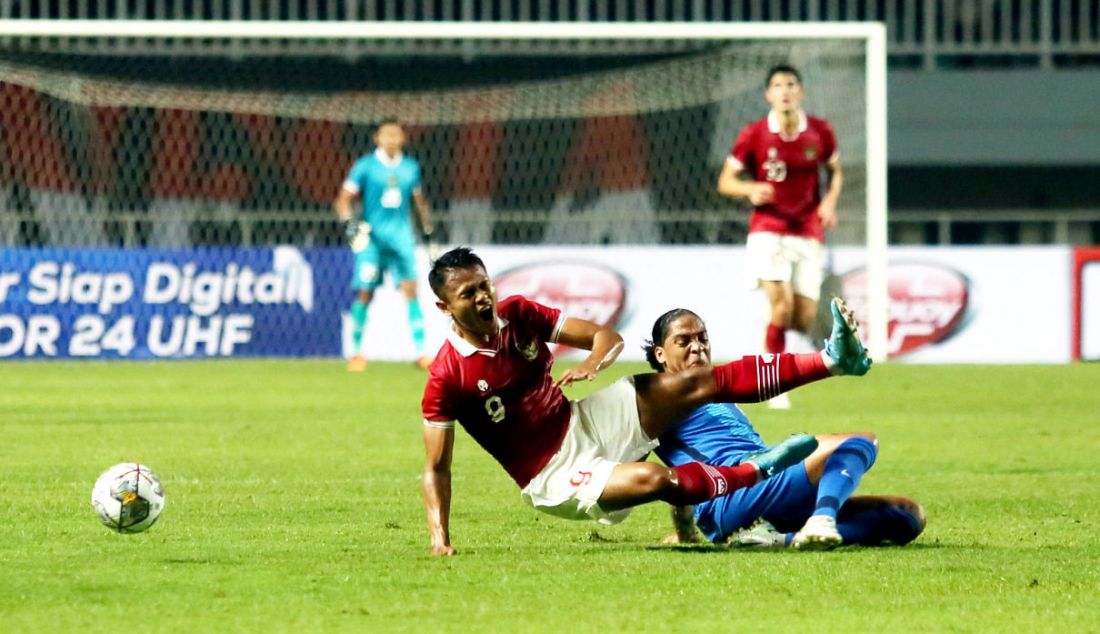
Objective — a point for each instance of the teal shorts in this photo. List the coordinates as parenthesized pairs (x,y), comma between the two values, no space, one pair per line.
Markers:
(372,262)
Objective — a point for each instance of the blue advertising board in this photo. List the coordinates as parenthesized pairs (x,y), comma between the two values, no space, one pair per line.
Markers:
(154,303)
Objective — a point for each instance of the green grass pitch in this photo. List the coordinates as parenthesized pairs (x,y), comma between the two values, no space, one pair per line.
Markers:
(293,505)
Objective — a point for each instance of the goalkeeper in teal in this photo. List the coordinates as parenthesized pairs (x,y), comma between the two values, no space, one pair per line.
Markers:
(810,506)
(386,181)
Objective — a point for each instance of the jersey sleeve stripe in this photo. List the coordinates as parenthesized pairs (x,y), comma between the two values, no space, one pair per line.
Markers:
(557,328)
(733,162)
(759,382)
(440,424)
(351,186)
(767,377)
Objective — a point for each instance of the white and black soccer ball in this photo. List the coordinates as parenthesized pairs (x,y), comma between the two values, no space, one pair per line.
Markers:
(128,497)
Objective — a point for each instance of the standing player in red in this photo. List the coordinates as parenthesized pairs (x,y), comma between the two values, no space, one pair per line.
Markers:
(782,156)
(580,460)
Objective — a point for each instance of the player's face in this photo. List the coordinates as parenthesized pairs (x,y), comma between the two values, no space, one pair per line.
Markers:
(391,138)
(471,300)
(784,92)
(686,345)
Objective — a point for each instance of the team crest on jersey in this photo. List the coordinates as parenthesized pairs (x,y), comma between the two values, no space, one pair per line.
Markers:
(483,385)
(811,153)
(775,170)
(391,197)
(529,351)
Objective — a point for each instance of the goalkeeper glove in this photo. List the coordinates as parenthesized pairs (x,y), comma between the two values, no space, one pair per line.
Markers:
(357,234)
(351,228)
(433,247)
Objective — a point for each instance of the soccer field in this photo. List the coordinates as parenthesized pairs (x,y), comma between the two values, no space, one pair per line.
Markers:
(293,504)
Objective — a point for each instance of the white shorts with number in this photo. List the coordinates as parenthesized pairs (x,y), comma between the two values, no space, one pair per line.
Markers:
(604,431)
(771,257)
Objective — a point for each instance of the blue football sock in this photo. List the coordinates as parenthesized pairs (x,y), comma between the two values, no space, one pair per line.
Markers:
(843,471)
(416,324)
(358,323)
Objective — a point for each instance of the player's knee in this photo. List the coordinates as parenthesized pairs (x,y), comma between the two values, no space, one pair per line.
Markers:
(860,445)
(690,386)
(699,387)
(782,313)
(656,480)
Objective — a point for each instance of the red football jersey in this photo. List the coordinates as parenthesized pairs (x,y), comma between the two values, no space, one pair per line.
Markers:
(793,166)
(504,396)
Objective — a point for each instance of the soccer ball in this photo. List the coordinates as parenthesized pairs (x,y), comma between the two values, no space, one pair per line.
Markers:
(128,497)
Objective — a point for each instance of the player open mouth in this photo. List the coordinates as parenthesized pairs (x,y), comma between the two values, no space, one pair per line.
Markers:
(486,313)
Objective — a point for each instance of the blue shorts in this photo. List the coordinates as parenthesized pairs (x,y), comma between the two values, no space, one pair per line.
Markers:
(376,259)
(785,500)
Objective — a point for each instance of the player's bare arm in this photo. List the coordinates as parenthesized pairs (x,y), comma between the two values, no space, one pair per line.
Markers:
(604,343)
(438,451)
(731,184)
(684,523)
(424,212)
(826,210)
(344,204)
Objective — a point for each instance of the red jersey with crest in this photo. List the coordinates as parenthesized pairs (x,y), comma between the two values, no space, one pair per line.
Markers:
(503,395)
(792,164)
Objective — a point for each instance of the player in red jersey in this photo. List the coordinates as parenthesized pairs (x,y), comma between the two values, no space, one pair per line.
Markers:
(580,459)
(782,156)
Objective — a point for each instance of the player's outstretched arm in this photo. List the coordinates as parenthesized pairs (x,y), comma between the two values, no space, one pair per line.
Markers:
(438,449)
(604,343)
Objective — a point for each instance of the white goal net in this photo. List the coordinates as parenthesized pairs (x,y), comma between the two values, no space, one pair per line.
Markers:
(239,134)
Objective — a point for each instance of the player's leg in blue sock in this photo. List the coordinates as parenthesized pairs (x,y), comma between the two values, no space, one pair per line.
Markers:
(366,276)
(416,325)
(843,471)
(840,476)
(878,520)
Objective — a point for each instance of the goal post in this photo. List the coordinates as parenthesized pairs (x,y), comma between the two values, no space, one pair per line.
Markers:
(673,76)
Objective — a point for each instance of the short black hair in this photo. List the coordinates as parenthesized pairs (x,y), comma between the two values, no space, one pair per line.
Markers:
(660,331)
(782,68)
(388,120)
(456,258)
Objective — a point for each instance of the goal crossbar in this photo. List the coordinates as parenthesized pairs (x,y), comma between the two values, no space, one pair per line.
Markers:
(270,29)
